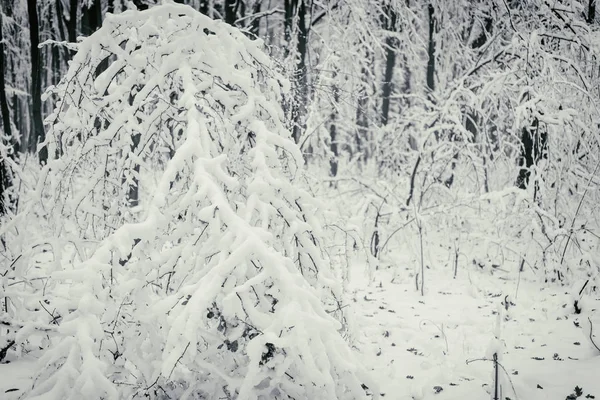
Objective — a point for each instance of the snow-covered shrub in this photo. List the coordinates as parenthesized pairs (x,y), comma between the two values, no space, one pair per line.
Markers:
(219,289)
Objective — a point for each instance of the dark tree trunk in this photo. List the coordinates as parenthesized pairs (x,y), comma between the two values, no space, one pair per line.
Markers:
(391,44)
(483,36)
(472,120)
(5,184)
(255,24)
(288,24)
(61,20)
(292,9)
(110,7)
(91,18)
(5,177)
(133,196)
(91,21)
(333,163)
(140,5)
(362,108)
(302,72)
(390,63)
(591,15)
(73,6)
(15,101)
(431,52)
(230,11)
(3,100)
(62,34)
(37,134)
(204,7)
(534,143)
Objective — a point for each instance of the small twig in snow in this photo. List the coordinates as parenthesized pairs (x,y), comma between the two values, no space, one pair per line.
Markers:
(501,366)
(177,362)
(591,337)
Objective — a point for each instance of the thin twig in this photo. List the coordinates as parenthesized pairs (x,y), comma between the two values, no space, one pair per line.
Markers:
(177,362)
(591,338)
(393,233)
(54,318)
(501,366)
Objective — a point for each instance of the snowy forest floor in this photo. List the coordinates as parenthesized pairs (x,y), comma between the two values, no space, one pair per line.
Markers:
(433,347)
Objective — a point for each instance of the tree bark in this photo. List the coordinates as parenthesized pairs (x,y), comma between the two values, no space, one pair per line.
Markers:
(91,18)
(140,5)
(3,100)
(482,38)
(534,143)
(37,134)
(7,7)
(391,44)
(5,177)
(591,15)
(61,33)
(133,194)
(333,162)
(362,108)
(431,52)
(255,24)
(292,9)
(204,7)
(73,6)
(230,11)
(302,72)
(472,120)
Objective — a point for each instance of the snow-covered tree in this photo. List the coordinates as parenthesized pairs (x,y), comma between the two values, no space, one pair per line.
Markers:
(215,285)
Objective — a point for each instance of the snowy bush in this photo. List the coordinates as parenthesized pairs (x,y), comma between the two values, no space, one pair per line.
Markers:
(214,286)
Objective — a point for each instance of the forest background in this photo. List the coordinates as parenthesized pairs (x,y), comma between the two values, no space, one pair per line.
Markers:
(463,128)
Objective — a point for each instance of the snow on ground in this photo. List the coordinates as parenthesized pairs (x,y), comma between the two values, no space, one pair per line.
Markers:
(418,347)
(15,376)
(432,347)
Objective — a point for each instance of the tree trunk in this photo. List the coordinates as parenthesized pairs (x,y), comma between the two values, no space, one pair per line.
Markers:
(5,178)
(73,6)
(591,15)
(3,100)
(362,108)
(255,24)
(140,5)
(7,8)
(91,18)
(431,53)
(391,44)
(133,196)
(472,120)
(483,36)
(302,72)
(61,34)
(533,148)
(288,24)
(204,7)
(133,192)
(37,134)
(292,9)
(230,11)
(333,162)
